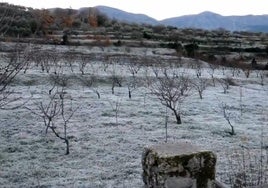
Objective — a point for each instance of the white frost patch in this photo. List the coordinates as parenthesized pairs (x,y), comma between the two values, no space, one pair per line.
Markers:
(105,152)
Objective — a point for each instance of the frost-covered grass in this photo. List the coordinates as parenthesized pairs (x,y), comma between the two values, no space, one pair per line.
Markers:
(105,152)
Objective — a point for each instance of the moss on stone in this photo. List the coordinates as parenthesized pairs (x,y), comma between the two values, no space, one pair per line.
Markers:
(198,165)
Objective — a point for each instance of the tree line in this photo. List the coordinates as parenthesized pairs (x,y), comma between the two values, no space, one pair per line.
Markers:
(19,21)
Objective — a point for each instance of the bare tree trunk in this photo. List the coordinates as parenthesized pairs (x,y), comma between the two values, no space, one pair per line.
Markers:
(178,117)
(213,81)
(200,94)
(166,125)
(129,94)
(62,138)
(113,88)
(232,130)
(98,94)
(67,147)
(227,116)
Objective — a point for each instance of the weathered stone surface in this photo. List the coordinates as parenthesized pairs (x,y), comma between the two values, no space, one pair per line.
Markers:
(179,165)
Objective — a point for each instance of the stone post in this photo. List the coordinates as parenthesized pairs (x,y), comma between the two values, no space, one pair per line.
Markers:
(178,165)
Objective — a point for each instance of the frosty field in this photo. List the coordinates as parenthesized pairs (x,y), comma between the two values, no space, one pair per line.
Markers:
(105,151)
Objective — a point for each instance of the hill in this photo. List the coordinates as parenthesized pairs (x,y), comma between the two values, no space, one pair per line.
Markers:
(210,20)
(205,20)
(121,15)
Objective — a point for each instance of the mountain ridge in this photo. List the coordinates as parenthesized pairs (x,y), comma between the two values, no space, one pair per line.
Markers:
(121,15)
(204,20)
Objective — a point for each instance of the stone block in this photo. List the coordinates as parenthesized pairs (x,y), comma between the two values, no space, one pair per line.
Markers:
(178,165)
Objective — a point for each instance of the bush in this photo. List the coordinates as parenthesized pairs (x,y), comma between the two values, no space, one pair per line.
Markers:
(147,35)
(191,49)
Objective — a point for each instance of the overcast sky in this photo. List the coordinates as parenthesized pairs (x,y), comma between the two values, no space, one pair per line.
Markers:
(159,9)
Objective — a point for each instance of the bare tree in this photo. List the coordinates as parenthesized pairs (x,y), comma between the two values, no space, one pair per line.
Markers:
(54,112)
(262,77)
(225,83)
(148,79)
(70,58)
(227,114)
(234,70)
(91,82)
(211,72)
(116,107)
(247,72)
(105,63)
(131,85)
(58,79)
(171,89)
(134,68)
(132,81)
(116,78)
(198,69)
(83,63)
(200,85)
(10,67)
(66,118)
(44,61)
(54,60)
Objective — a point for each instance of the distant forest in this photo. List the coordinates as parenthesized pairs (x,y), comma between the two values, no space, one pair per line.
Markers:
(19,21)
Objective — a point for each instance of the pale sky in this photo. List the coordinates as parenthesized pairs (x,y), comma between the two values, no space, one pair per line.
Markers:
(159,9)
